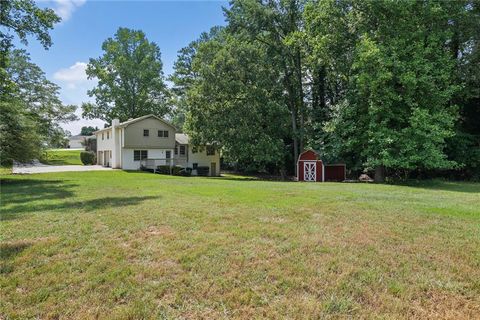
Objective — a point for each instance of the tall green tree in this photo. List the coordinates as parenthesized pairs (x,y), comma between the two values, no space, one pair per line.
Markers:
(19,140)
(277,25)
(130,79)
(23,18)
(383,85)
(396,112)
(234,101)
(88,130)
(464,23)
(184,76)
(19,130)
(39,97)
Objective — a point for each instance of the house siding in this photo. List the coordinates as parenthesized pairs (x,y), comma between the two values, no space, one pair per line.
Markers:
(129,164)
(133,136)
(203,160)
(105,144)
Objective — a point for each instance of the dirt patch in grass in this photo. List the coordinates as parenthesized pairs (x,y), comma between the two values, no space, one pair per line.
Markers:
(436,304)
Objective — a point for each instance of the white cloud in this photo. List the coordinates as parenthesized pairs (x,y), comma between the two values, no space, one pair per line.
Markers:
(65,8)
(74,85)
(73,75)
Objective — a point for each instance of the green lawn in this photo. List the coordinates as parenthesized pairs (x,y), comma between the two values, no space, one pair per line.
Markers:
(59,157)
(5,170)
(131,245)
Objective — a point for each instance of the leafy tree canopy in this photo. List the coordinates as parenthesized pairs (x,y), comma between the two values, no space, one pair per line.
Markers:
(378,84)
(88,131)
(130,79)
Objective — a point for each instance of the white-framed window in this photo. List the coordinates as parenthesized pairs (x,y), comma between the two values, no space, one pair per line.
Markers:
(140,155)
(108,135)
(103,136)
(168,154)
(182,150)
(146,132)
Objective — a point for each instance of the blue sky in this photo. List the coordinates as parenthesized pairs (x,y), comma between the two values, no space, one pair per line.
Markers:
(86,24)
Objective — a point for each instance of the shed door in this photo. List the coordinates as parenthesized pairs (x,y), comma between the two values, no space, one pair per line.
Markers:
(310,171)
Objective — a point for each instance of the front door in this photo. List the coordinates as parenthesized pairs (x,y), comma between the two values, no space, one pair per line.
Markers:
(213,169)
(310,171)
(106,158)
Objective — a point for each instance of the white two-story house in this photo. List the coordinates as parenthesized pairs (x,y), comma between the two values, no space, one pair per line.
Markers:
(150,141)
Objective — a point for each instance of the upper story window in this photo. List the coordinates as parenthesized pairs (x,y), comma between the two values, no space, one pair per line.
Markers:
(103,136)
(108,135)
(182,150)
(176,150)
(162,133)
(146,132)
(210,150)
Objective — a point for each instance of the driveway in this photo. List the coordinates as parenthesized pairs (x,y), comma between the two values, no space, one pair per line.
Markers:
(43,168)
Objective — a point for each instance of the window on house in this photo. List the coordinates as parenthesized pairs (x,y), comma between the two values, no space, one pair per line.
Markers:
(182,150)
(210,150)
(108,135)
(195,166)
(176,150)
(162,133)
(140,155)
(168,154)
(146,132)
(103,136)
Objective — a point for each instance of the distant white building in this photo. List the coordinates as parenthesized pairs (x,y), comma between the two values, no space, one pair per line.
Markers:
(76,142)
(149,142)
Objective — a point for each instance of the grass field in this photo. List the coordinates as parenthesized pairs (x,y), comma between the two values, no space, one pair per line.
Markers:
(131,245)
(60,157)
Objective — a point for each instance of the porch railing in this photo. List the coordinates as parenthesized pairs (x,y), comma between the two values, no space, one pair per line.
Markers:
(153,163)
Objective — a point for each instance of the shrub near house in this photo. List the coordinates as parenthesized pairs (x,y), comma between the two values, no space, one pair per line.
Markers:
(87,157)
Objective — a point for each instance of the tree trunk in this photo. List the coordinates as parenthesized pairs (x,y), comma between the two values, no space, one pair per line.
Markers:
(379,174)
(300,98)
(295,141)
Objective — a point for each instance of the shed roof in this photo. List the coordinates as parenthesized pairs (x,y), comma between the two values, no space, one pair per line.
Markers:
(309,155)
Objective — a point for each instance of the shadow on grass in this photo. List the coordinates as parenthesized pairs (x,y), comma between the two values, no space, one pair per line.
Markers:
(455,186)
(28,190)
(66,206)
(9,250)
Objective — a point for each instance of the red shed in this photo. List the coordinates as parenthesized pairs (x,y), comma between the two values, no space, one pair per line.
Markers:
(309,167)
(334,172)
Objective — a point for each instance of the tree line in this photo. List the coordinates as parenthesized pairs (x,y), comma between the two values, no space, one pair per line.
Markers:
(389,87)
(386,86)
(30,108)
